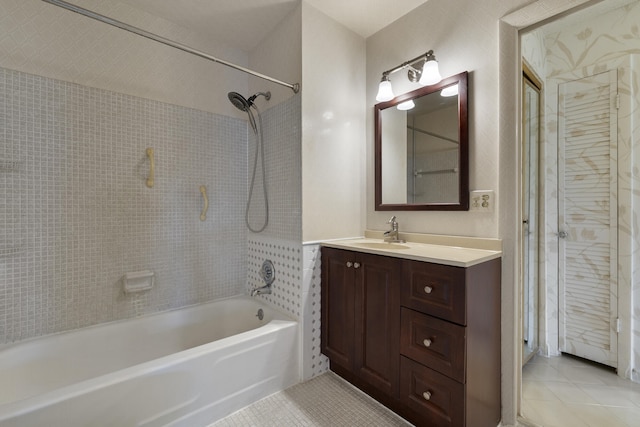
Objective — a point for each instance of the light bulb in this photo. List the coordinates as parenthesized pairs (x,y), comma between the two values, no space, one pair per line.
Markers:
(385,91)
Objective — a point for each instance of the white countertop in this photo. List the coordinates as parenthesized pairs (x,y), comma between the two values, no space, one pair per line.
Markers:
(458,256)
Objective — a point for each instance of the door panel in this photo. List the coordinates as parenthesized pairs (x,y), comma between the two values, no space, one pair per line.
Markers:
(378,322)
(587,189)
(337,304)
(530,162)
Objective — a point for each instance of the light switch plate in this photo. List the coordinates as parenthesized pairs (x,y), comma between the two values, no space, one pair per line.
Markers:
(482,201)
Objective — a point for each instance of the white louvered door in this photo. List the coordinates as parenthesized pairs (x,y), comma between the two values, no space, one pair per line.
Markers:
(587,203)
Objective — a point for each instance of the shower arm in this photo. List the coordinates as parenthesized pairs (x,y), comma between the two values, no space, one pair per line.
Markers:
(135,30)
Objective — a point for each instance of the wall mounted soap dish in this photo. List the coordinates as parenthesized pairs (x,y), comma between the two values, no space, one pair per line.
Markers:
(138,281)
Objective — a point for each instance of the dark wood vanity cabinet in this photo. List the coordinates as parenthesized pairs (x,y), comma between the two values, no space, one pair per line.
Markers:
(421,338)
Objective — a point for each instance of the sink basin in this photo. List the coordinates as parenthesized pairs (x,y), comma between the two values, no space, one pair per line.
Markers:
(375,245)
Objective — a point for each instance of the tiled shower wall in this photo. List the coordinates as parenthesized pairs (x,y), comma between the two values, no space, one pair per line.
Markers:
(281,130)
(296,290)
(75,213)
(280,241)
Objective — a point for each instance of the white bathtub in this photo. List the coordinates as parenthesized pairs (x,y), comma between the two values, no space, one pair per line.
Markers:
(188,367)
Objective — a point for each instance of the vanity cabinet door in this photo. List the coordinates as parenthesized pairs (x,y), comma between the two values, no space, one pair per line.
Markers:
(377,324)
(337,304)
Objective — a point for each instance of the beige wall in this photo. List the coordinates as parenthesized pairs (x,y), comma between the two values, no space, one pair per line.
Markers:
(333,133)
(42,39)
(464,38)
(279,55)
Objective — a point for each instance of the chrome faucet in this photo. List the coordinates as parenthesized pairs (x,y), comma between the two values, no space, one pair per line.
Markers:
(391,236)
(263,290)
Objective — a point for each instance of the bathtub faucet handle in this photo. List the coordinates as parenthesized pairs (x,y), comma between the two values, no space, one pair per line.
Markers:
(268,274)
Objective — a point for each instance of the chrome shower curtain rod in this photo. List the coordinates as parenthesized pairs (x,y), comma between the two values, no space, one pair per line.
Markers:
(73,8)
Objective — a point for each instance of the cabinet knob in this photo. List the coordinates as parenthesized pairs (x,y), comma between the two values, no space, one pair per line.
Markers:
(356,265)
(427,342)
(426,395)
(349,264)
(428,289)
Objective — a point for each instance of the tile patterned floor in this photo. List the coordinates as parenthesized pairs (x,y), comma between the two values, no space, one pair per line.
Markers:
(557,392)
(325,401)
(568,392)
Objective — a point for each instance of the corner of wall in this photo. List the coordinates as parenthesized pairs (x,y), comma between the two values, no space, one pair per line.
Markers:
(333,140)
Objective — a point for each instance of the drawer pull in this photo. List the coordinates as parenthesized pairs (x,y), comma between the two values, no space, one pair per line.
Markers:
(356,265)
(428,289)
(349,264)
(427,342)
(426,395)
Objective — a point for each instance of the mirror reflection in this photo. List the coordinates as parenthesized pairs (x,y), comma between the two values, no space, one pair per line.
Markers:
(421,149)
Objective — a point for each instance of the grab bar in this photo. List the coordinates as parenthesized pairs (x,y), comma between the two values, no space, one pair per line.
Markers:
(152,168)
(203,215)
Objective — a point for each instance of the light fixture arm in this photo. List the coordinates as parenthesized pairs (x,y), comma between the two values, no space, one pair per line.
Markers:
(424,57)
(426,73)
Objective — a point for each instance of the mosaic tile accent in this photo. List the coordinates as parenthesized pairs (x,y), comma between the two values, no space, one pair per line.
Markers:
(313,361)
(282,150)
(324,401)
(75,214)
(286,257)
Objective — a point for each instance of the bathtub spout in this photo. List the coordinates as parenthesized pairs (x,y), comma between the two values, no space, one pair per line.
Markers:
(261,291)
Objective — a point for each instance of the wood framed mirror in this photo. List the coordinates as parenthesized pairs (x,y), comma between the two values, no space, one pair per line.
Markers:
(422,153)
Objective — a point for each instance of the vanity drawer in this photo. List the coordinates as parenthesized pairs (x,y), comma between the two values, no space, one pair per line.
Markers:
(435,398)
(434,343)
(438,290)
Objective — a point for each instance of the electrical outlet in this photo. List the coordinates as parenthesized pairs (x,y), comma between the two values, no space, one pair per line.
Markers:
(482,201)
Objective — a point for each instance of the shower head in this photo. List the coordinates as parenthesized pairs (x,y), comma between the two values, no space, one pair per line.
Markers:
(243,104)
(239,101)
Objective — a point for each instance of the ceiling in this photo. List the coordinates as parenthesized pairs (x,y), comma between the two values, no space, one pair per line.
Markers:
(365,17)
(244,23)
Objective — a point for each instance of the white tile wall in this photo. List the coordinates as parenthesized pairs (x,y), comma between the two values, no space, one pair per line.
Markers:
(314,362)
(281,126)
(75,214)
(280,242)
(286,258)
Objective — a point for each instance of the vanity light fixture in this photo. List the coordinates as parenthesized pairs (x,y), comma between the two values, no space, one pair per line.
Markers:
(385,91)
(422,69)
